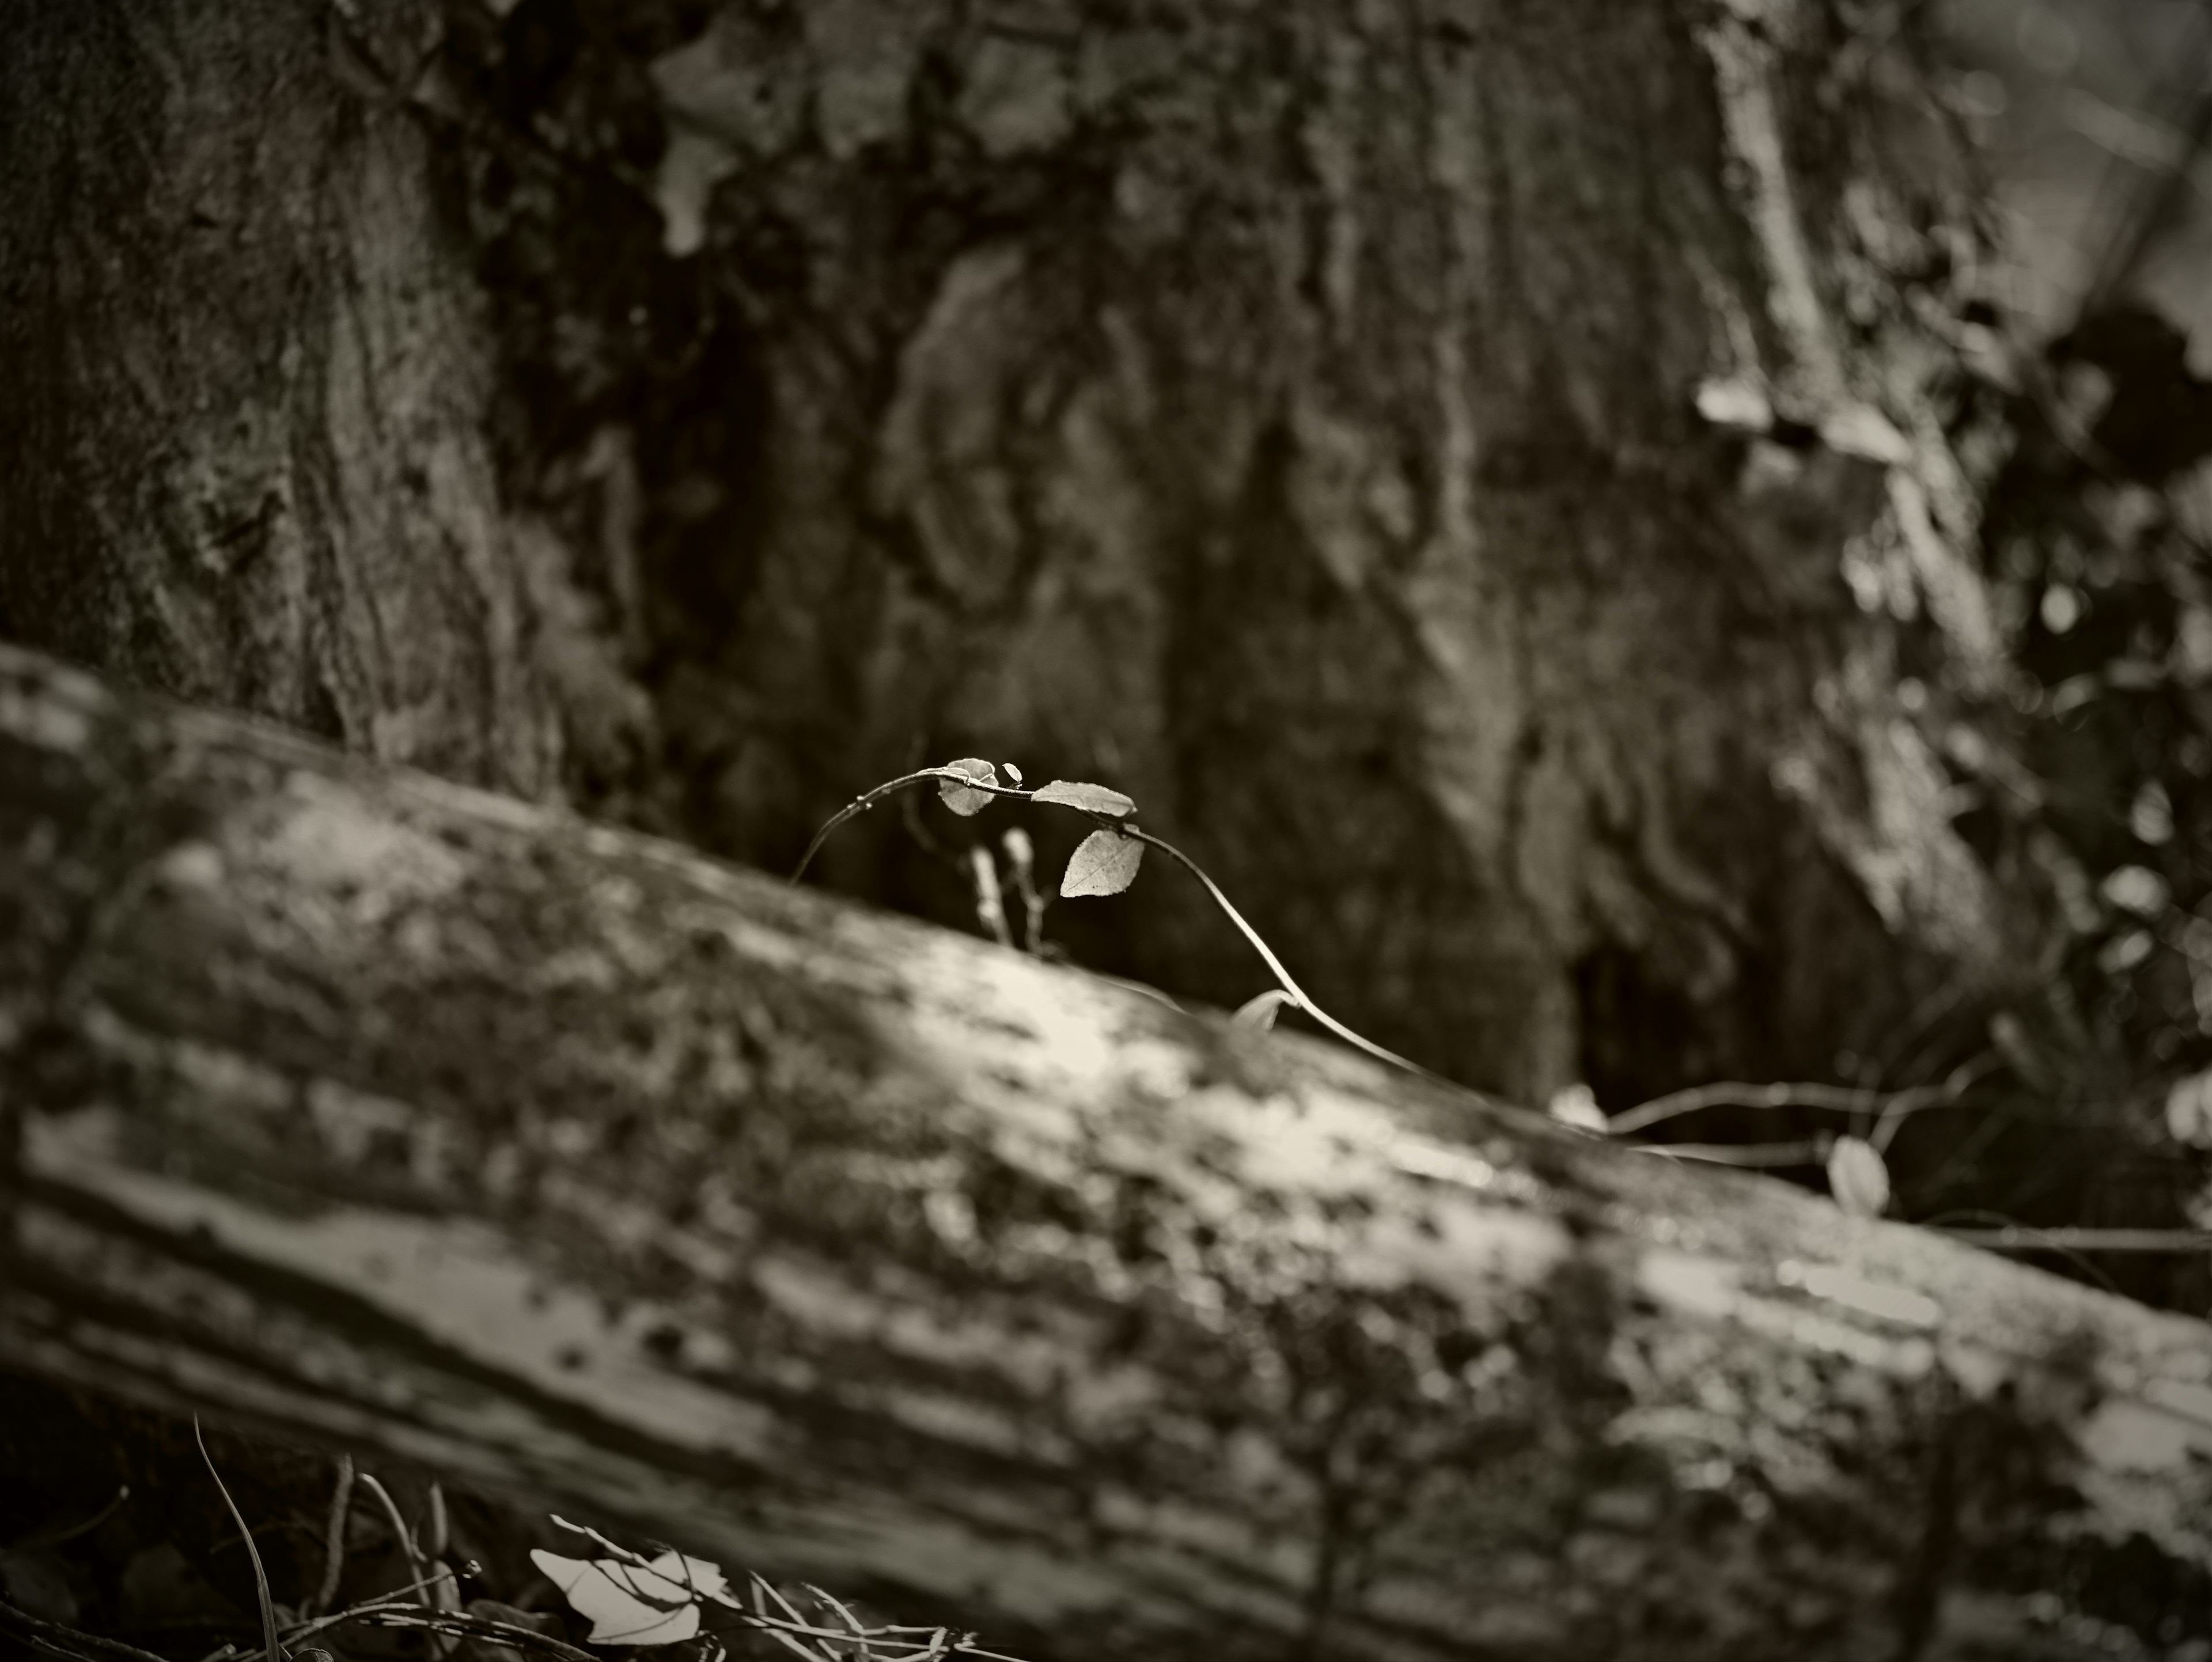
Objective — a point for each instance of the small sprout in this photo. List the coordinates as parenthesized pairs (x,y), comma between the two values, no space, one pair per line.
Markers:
(1577,1105)
(1259,1012)
(957,797)
(1857,1177)
(1104,862)
(1013,773)
(1092,798)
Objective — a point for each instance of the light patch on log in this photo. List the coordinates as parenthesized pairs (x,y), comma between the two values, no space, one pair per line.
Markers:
(326,840)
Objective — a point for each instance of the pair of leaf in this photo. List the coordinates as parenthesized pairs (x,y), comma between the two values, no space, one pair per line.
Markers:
(1105,862)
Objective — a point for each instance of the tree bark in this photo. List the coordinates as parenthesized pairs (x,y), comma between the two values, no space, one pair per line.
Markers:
(1292,413)
(350,1105)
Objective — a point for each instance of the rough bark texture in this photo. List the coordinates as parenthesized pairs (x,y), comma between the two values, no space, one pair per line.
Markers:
(365,1108)
(251,378)
(1289,413)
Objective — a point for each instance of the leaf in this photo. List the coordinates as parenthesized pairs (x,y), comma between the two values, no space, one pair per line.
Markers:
(1857,1177)
(629,1603)
(2189,1110)
(1013,773)
(1092,798)
(958,798)
(1260,1011)
(1104,862)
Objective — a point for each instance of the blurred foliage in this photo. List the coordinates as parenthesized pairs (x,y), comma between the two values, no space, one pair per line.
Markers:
(2094,763)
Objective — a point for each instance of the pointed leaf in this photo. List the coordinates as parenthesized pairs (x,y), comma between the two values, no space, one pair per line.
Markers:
(1104,862)
(1261,1010)
(958,798)
(1857,1177)
(696,1575)
(1092,798)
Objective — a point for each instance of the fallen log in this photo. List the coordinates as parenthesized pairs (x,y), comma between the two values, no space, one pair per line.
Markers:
(346,1106)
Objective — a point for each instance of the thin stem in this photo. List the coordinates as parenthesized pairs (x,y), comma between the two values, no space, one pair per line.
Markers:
(1837,1098)
(861,804)
(334,1537)
(1275,965)
(1728,1153)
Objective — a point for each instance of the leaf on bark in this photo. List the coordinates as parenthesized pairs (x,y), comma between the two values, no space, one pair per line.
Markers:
(1104,862)
(1857,1177)
(1092,798)
(957,797)
(634,1603)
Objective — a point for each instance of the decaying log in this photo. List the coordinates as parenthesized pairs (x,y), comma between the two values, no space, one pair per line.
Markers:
(351,1106)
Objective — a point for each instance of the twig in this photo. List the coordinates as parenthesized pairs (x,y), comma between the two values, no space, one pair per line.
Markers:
(54,1632)
(2086,1266)
(861,804)
(1836,1099)
(39,1539)
(334,1539)
(2025,1238)
(1807,1153)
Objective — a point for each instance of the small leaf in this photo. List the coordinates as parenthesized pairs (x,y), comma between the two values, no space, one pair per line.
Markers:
(1104,862)
(1260,1011)
(1577,1105)
(958,798)
(1013,773)
(1857,1177)
(2189,1110)
(1092,798)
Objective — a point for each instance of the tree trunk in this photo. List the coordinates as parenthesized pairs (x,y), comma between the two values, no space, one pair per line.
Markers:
(1418,451)
(354,1107)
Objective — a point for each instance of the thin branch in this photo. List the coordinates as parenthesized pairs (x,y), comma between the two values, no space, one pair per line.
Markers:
(2022,1238)
(861,805)
(54,1633)
(1808,1151)
(334,1538)
(1833,1098)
